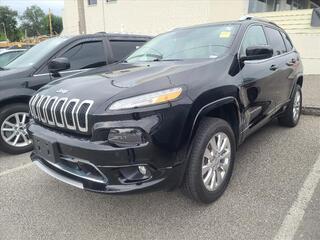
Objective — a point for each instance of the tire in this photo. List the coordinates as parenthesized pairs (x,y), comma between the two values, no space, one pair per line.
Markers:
(194,182)
(8,129)
(291,117)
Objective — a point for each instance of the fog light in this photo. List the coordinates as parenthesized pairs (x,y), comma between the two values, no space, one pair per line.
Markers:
(142,170)
(126,137)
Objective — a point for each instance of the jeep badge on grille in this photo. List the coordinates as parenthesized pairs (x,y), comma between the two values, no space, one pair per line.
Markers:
(62,91)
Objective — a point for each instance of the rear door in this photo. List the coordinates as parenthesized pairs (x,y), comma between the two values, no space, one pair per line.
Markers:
(283,68)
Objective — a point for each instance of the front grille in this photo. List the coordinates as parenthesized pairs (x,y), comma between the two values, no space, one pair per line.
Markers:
(66,113)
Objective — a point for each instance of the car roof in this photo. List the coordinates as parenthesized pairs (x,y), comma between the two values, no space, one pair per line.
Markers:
(111,36)
(248,20)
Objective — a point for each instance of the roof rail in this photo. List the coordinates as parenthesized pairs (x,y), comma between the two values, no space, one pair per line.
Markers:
(250,17)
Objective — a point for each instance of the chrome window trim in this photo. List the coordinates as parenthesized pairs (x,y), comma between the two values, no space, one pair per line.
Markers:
(76,101)
(85,129)
(61,113)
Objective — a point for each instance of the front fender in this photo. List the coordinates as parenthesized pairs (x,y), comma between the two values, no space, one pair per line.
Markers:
(15,93)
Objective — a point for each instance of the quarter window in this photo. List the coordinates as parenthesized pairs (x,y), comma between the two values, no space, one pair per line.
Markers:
(287,41)
(122,49)
(254,37)
(86,55)
(276,41)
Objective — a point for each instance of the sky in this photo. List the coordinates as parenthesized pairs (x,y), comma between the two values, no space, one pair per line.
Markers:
(56,6)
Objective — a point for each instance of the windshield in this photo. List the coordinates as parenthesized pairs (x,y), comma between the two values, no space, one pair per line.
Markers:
(192,43)
(36,53)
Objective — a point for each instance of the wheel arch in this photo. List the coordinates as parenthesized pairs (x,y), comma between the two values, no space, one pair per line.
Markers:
(15,96)
(226,108)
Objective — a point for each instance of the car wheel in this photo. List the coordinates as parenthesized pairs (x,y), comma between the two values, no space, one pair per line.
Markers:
(211,161)
(291,117)
(14,138)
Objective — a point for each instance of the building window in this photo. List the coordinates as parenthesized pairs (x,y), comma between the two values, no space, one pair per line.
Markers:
(92,2)
(281,5)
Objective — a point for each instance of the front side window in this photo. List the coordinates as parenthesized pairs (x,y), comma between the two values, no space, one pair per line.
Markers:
(86,55)
(190,43)
(254,37)
(276,41)
(37,53)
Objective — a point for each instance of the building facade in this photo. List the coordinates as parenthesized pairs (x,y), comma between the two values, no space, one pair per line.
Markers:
(156,16)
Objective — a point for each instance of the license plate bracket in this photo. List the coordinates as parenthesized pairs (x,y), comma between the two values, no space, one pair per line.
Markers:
(45,149)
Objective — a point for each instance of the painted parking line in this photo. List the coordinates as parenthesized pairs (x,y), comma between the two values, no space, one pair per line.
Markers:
(295,215)
(16,169)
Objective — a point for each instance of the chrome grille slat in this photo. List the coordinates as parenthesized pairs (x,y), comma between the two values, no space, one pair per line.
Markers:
(84,129)
(73,126)
(42,109)
(61,112)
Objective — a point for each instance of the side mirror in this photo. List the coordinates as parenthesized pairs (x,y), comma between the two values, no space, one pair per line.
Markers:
(58,64)
(258,53)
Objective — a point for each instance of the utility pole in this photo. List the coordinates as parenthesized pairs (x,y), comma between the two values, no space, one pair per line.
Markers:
(5,30)
(50,23)
(82,19)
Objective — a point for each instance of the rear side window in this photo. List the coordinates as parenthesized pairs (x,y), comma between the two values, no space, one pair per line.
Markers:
(287,41)
(276,41)
(122,49)
(86,55)
(254,37)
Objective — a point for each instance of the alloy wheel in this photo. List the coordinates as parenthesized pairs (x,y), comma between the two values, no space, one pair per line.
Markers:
(216,161)
(297,106)
(14,131)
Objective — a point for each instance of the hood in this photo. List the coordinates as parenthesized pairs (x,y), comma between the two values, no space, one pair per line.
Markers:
(121,80)
(14,73)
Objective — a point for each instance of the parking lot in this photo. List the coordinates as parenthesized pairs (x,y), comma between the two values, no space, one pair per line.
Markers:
(270,173)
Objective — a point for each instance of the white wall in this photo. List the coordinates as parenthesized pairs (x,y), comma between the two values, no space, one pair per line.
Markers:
(157,16)
(70,18)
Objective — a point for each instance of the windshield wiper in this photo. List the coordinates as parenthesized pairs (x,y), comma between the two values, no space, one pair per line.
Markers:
(155,56)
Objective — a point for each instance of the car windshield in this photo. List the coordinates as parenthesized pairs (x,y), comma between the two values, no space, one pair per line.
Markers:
(36,53)
(190,43)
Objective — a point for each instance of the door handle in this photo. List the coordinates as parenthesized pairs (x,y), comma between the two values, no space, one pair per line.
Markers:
(273,68)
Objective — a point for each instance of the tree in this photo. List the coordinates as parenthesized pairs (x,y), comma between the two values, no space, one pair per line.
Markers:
(32,21)
(56,21)
(8,23)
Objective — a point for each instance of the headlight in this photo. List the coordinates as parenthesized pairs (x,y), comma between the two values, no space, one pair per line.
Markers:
(147,99)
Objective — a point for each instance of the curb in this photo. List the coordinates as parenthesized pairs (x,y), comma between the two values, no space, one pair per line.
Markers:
(313,111)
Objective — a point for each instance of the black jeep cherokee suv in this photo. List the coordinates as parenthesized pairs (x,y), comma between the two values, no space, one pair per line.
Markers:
(47,61)
(172,114)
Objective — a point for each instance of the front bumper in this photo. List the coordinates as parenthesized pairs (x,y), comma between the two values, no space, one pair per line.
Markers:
(98,167)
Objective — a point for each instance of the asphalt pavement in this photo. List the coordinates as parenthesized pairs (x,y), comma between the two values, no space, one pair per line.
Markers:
(272,172)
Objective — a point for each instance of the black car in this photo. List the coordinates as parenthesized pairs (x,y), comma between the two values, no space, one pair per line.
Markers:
(172,114)
(47,61)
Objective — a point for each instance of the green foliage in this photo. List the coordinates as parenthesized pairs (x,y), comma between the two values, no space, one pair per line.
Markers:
(8,23)
(32,21)
(56,24)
